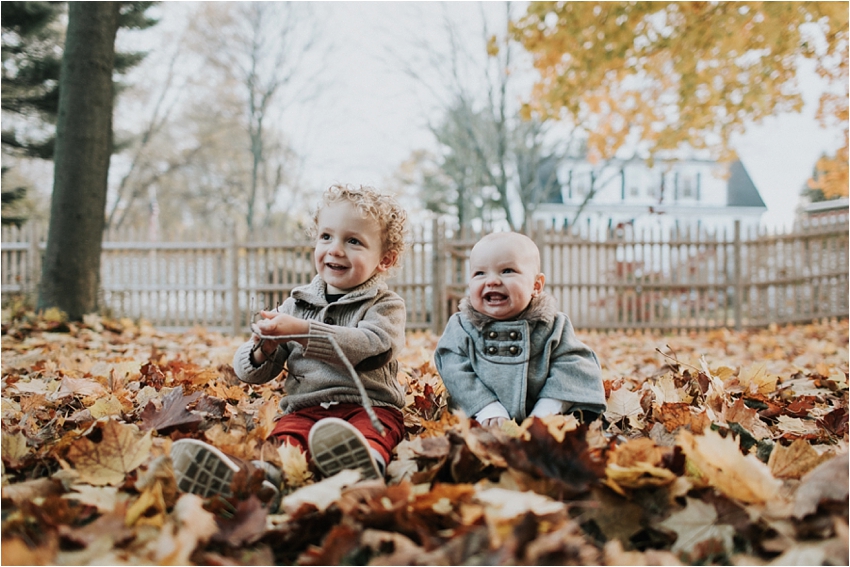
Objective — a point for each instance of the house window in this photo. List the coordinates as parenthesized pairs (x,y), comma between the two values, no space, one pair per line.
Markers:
(580,182)
(686,186)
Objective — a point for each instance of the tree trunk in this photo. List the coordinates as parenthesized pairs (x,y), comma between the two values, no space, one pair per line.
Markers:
(71,268)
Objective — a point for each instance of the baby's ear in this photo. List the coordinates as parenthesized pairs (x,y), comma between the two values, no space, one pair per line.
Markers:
(387,261)
(539,281)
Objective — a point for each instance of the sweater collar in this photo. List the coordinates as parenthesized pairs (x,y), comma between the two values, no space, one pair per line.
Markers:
(314,292)
(542,308)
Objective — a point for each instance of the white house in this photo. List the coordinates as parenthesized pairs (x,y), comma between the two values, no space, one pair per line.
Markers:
(699,194)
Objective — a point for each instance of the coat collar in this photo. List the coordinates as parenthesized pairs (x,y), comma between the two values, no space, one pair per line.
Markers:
(542,308)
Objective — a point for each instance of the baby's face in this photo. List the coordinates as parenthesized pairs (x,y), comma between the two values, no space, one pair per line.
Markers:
(504,275)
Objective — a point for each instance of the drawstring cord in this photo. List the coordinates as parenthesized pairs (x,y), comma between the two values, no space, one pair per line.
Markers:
(366,402)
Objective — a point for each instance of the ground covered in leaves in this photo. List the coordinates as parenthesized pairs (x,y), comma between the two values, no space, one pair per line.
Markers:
(719,447)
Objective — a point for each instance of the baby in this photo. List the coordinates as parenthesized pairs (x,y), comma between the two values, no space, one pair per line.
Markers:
(509,353)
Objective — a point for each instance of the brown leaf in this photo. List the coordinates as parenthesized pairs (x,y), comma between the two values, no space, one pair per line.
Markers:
(340,542)
(120,449)
(173,414)
(569,462)
(246,526)
(795,460)
(747,418)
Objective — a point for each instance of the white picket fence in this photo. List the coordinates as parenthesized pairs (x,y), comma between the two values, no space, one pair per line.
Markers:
(613,280)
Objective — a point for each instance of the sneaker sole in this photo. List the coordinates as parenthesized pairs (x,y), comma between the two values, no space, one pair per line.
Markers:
(201,468)
(336,445)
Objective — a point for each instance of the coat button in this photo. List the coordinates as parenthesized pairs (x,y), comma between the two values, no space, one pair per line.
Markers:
(329,320)
(513,335)
(493,334)
(514,350)
(492,350)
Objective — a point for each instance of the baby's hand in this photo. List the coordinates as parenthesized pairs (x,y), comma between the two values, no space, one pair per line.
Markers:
(494,421)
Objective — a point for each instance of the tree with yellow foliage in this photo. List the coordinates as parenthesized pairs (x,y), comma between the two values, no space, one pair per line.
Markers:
(673,75)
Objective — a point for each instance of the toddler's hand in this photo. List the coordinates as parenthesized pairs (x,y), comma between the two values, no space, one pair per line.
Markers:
(494,421)
(280,324)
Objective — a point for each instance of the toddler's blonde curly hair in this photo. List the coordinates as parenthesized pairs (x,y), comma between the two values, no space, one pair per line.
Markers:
(381,207)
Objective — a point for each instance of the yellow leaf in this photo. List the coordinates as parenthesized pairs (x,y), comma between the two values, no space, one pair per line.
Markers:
(14,448)
(296,471)
(151,497)
(756,379)
(122,449)
(106,406)
(723,466)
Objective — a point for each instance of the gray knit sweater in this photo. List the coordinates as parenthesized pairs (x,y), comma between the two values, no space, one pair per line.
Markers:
(367,323)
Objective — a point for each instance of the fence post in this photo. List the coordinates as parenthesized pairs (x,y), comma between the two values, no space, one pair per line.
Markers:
(234,285)
(438,278)
(739,288)
(34,253)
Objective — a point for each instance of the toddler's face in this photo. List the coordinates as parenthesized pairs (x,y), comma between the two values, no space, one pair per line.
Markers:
(504,276)
(349,247)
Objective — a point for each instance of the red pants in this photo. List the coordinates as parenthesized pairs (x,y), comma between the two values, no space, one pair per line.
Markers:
(295,427)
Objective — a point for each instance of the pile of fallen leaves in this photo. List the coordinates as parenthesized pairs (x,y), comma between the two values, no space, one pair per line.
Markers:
(719,447)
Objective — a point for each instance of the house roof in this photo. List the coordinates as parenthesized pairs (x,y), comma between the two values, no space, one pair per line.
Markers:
(740,190)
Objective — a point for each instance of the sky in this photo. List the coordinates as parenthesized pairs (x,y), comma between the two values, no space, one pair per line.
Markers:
(371,117)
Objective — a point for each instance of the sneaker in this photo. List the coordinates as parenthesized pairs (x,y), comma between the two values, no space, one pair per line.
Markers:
(336,445)
(202,469)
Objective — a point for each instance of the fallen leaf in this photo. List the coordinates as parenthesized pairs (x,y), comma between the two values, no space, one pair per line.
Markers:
(82,387)
(695,524)
(245,526)
(795,460)
(105,406)
(321,494)
(120,450)
(173,414)
(742,477)
(296,469)
(623,403)
(756,379)
(827,481)
(104,498)
(15,450)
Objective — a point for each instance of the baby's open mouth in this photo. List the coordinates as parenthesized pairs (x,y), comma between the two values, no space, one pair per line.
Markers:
(336,267)
(494,297)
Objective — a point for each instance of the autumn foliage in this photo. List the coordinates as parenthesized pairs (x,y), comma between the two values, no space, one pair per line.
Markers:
(717,447)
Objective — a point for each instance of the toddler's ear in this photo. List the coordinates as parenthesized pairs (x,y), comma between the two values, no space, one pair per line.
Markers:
(387,261)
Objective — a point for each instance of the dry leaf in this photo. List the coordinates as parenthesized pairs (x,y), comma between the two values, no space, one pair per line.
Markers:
(623,403)
(695,524)
(827,481)
(756,379)
(296,470)
(14,449)
(720,461)
(795,460)
(104,498)
(321,494)
(121,449)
